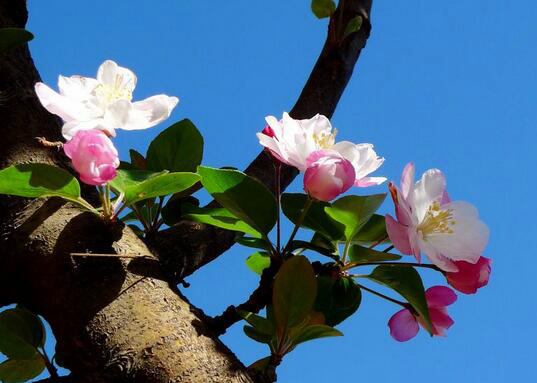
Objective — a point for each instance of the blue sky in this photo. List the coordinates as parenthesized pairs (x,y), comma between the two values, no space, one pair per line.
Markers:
(451,85)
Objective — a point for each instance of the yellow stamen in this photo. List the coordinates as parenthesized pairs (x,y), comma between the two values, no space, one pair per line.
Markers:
(437,221)
(118,91)
(325,140)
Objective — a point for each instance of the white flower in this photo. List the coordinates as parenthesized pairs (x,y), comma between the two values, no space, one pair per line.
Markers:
(292,141)
(428,221)
(104,103)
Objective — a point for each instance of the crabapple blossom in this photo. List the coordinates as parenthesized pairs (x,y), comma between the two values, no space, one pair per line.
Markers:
(404,325)
(427,221)
(103,103)
(470,277)
(93,155)
(293,141)
(328,175)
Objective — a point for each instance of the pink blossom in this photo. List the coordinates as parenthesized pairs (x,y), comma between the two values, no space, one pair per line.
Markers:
(404,324)
(93,155)
(470,277)
(427,221)
(328,175)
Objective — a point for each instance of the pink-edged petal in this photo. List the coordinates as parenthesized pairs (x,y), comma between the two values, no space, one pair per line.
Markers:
(445,198)
(402,209)
(407,179)
(398,234)
(436,257)
(369,181)
(441,321)
(426,191)
(403,326)
(440,296)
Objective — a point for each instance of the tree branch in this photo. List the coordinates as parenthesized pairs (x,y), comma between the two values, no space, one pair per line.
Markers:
(188,246)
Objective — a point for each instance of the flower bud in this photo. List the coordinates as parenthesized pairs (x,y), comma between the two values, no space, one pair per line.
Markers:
(470,277)
(93,155)
(328,175)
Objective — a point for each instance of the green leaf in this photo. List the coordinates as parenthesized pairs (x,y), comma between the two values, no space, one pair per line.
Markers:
(220,217)
(294,292)
(139,232)
(261,324)
(360,254)
(320,240)
(174,209)
(337,298)
(354,211)
(137,160)
(255,243)
(323,8)
(21,370)
(21,333)
(260,365)
(373,231)
(257,335)
(257,262)
(39,180)
(138,185)
(407,282)
(316,331)
(244,196)
(13,37)
(354,25)
(177,149)
(310,246)
(316,218)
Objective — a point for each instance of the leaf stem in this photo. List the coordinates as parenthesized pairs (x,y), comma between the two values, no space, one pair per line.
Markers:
(408,264)
(405,305)
(345,251)
(50,367)
(277,171)
(298,223)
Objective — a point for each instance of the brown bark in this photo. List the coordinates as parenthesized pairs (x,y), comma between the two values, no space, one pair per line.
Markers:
(188,245)
(118,319)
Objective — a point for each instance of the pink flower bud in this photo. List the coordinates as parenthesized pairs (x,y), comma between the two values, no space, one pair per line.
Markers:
(328,175)
(470,277)
(268,131)
(94,156)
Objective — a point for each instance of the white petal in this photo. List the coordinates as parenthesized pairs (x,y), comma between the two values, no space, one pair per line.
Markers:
(111,74)
(436,257)
(469,238)
(68,109)
(316,124)
(69,129)
(77,87)
(426,191)
(362,156)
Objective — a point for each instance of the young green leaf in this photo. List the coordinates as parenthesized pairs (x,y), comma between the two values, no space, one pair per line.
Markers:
(13,37)
(354,211)
(323,8)
(407,282)
(21,370)
(220,217)
(294,292)
(261,324)
(177,149)
(316,218)
(353,25)
(316,331)
(360,254)
(296,244)
(21,333)
(244,196)
(138,185)
(257,262)
(257,335)
(260,365)
(255,243)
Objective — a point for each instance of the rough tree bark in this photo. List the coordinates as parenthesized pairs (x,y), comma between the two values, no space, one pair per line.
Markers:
(116,319)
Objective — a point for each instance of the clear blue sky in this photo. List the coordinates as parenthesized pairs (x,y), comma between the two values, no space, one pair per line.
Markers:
(449,84)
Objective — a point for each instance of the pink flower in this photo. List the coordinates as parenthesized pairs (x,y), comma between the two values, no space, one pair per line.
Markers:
(427,221)
(470,277)
(328,175)
(404,324)
(94,156)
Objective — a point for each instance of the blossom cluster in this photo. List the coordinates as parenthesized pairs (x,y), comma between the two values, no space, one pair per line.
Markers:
(92,109)
(449,233)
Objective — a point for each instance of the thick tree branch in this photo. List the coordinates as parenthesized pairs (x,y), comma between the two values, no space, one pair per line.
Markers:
(116,320)
(188,246)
